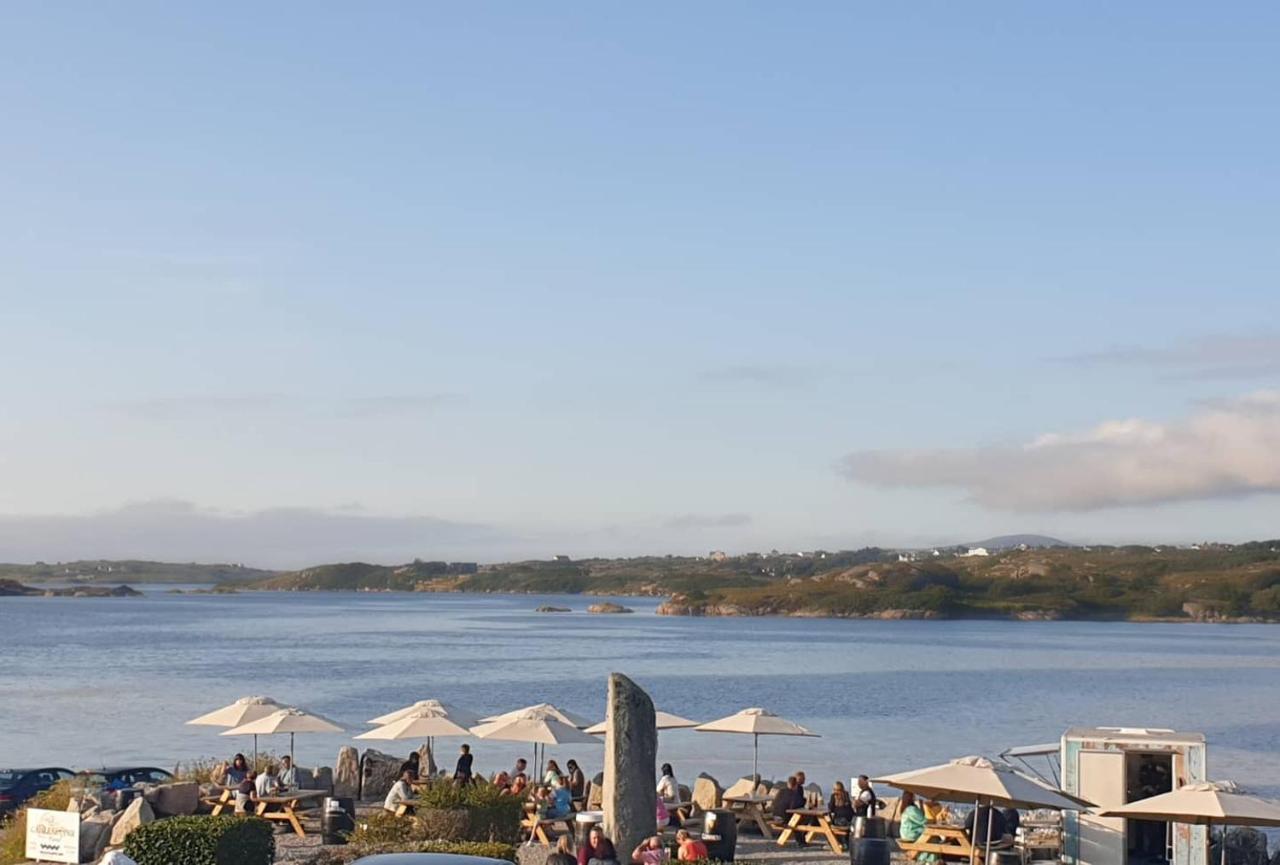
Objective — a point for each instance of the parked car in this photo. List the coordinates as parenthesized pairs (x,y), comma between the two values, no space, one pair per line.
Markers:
(118,777)
(427,859)
(19,785)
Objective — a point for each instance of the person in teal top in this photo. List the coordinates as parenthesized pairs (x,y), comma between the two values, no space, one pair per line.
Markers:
(911,823)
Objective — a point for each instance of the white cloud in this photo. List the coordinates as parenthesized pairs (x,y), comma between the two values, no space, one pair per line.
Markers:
(1226,448)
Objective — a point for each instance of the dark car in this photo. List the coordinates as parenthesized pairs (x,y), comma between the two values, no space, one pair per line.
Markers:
(19,785)
(119,777)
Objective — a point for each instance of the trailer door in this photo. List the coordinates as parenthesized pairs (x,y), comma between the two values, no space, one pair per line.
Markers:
(1102,782)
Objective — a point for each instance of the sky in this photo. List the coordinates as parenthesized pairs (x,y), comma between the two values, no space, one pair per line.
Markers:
(299,282)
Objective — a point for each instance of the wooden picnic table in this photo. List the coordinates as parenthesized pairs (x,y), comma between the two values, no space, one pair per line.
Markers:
(949,842)
(284,807)
(752,811)
(225,799)
(537,826)
(810,822)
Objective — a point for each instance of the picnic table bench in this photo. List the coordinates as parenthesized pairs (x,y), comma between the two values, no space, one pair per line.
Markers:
(225,799)
(810,822)
(949,842)
(283,807)
(537,826)
(752,810)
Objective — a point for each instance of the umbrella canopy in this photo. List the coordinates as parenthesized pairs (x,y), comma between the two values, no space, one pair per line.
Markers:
(421,724)
(289,721)
(1202,804)
(977,779)
(665,721)
(462,717)
(757,722)
(242,711)
(545,710)
(541,725)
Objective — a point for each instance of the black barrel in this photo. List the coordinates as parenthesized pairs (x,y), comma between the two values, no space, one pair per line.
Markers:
(1004,857)
(868,851)
(720,834)
(337,819)
(868,827)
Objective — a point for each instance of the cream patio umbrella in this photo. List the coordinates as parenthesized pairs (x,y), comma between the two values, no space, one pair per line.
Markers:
(1205,804)
(425,722)
(541,725)
(463,717)
(545,709)
(291,721)
(240,712)
(757,722)
(665,721)
(978,780)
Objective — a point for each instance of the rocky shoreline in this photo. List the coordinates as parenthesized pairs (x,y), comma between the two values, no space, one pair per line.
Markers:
(14,589)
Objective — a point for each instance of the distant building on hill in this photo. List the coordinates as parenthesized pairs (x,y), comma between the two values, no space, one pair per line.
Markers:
(976,551)
(717,555)
(561,559)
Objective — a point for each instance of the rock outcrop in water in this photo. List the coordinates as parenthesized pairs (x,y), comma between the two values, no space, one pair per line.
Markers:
(609,607)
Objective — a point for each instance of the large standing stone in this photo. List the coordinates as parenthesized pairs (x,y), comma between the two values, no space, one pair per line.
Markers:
(707,794)
(346,773)
(426,762)
(378,772)
(138,813)
(630,750)
(1246,847)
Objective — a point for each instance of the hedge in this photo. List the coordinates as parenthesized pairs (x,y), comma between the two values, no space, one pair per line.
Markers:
(346,855)
(223,840)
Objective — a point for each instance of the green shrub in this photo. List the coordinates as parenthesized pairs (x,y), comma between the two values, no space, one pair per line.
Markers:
(447,812)
(348,854)
(223,840)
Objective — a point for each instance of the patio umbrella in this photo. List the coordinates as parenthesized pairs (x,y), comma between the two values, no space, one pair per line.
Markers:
(757,722)
(545,709)
(242,711)
(665,721)
(1206,804)
(291,721)
(422,723)
(978,780)
(541,725)
(463,717)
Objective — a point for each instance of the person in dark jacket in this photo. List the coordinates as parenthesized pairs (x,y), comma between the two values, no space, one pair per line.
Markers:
(411,765)
(840,806)
(786,800)
(865,803)
(975,825)
(598,850)
(462,772)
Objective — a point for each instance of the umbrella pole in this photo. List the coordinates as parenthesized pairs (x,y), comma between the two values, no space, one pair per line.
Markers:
(290,747)
(1224,844)
(991,816)
(255,752)
(755,762)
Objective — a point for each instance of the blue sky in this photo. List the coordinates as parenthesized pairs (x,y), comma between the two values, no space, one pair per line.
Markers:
(485,280)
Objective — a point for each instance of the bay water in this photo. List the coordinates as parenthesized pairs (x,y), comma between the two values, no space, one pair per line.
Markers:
(86,682)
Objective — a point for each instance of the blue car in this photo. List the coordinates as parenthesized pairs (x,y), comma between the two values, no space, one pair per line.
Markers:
(19,785)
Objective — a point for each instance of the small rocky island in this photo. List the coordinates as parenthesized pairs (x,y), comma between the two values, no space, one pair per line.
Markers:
(12,588)
(609,607)
(547,608)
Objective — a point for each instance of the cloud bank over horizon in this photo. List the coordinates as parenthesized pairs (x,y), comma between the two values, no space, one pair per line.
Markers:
(1224,449)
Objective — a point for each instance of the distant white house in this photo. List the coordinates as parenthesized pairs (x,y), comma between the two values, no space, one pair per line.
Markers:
(560,559)
(976,551)
(718,555)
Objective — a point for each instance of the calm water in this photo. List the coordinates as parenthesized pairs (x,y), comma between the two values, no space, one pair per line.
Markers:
(85,682)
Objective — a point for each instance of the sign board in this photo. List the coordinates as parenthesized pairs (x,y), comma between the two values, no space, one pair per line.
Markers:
(53,836)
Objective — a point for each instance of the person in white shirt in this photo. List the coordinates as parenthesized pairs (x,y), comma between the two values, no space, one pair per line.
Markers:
(668,789)
(401,791)
(268,783)
(288,773)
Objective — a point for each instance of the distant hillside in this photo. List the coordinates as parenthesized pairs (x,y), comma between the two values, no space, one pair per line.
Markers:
(105,571)
(1013,542)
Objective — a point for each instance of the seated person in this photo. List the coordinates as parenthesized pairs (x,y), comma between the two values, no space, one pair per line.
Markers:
(911,825)
(661,815)
(564,851)
(936,812)
(577,781)
(412,766)
(542,801)
(400,791)
(786,800)
(1012,820)
(650,852)
(520,786)
(690,849)
(840,806)
(561,801)
(245,792)
(288,773)
(598,850)
(236,771)
(977,823)
(267,784)
(503,782)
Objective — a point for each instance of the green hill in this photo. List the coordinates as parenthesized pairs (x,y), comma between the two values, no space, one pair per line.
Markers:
(130,571)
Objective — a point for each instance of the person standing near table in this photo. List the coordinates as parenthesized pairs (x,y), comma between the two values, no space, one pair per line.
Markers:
(462,772)
(865,804)
(288,773)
